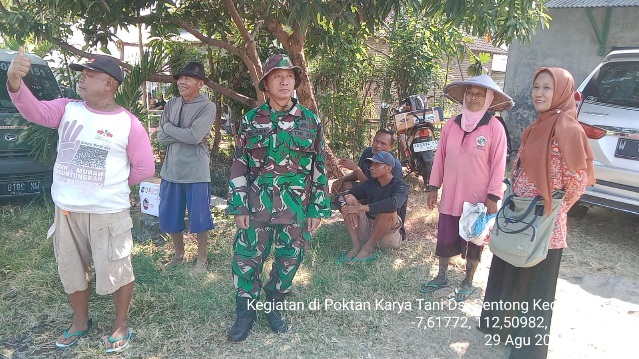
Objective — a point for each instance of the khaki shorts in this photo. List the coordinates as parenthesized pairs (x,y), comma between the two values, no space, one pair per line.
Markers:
(104,239)
(365,228)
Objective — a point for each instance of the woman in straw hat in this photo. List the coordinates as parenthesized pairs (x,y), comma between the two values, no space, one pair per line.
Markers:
(554,155)
(470,162)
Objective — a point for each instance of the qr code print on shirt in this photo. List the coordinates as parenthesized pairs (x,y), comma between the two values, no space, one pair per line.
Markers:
(91,157)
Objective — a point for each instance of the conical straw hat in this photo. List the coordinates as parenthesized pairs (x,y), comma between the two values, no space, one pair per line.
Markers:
(456,90)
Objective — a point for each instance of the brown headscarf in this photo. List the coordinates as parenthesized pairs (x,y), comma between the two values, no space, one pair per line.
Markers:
(558,123)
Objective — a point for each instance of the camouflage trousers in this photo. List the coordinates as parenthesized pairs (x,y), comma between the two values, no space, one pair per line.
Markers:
(251,248)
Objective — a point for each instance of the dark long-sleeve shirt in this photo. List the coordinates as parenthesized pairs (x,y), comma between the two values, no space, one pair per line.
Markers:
(382,199)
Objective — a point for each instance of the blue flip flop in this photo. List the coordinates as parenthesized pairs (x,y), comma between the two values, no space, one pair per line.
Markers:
(128,336)
(362,260)
(465,294)
(343,258)
(79,334)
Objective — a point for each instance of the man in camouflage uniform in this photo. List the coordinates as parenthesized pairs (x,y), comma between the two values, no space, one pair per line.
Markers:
(278,192)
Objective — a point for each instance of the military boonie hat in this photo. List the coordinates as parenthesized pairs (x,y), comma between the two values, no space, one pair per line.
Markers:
(280,61)
(103,64)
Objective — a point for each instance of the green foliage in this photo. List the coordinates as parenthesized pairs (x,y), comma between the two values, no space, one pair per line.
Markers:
(221,171)
(406,61)
(129,93)
(44,141)
(502,20)
(420,33)
(342,79)
(477,63)
(234,75)
(416,47)
(346,127)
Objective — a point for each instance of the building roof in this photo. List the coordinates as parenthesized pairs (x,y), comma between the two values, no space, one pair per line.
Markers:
(481,45)
(558,4)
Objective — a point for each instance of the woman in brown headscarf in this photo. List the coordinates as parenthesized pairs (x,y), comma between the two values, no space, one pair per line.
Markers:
(554,155)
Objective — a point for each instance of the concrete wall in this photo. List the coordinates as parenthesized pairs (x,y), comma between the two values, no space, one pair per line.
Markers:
(571,43)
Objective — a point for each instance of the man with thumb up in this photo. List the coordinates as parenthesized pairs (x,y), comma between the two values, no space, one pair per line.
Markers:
(102,150)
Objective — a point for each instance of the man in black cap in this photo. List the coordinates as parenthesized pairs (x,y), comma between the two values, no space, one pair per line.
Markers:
(186,177)
(378,222)
(103,149)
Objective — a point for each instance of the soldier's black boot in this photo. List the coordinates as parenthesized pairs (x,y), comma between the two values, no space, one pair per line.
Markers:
(275,318)
(244,320)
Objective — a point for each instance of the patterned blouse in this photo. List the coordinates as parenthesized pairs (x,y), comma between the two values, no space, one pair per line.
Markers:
(573,183)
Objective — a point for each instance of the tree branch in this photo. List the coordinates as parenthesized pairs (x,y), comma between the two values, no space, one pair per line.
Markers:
(254,64)
(246,58)
(80,53)
(276,29)
(379,51)
(230,7)
(160,77)
(205,39)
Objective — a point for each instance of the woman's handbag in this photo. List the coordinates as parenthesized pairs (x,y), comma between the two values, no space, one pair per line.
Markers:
(521,235)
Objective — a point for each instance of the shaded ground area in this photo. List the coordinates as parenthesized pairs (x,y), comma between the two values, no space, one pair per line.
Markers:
(180,315)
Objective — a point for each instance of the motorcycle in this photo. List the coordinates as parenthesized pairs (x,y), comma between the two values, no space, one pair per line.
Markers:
(415,123)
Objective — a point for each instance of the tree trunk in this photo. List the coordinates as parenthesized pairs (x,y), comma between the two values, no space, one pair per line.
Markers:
(217,136)
(306,97)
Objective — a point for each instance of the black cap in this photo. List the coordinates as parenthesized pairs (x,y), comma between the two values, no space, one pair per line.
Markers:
(192,69)
(103,64)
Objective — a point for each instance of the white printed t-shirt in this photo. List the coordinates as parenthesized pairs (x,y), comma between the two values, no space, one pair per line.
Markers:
(99,153)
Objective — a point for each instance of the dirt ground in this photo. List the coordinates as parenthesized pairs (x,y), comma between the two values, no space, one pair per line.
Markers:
(597,302)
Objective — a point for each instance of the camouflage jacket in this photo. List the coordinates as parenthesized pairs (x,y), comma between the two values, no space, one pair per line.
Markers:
(278,174)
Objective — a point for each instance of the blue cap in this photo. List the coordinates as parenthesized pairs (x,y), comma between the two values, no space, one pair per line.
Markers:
(383,157)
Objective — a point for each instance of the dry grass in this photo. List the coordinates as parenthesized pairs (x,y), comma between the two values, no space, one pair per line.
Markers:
(180,315)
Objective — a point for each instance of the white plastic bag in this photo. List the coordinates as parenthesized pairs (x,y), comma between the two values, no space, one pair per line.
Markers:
(474,224)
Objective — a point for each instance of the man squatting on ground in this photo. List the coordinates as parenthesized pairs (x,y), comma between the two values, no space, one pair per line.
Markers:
(186,176)
(278,193)
(103,149)
(378,221)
